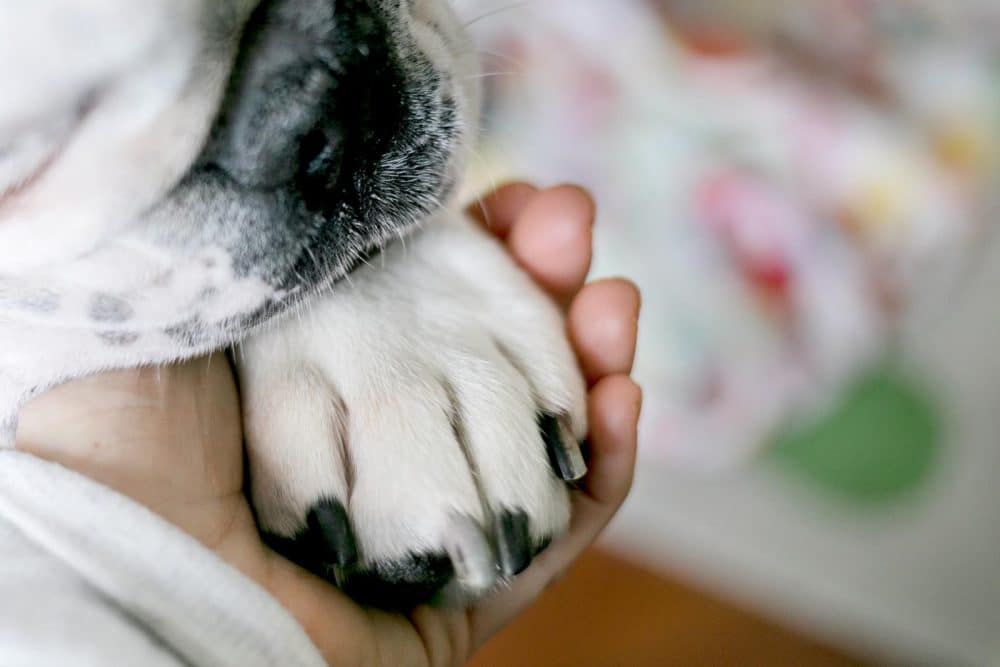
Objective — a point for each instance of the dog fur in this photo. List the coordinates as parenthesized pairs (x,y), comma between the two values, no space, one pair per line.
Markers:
(181,176)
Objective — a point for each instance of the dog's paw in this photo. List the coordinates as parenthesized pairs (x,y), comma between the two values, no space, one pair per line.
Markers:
(410,436)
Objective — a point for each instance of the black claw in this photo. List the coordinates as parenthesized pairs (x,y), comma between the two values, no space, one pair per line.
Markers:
(331,532)
(541,546)
(513,542)
(401,585)
(566,458)
(327,547)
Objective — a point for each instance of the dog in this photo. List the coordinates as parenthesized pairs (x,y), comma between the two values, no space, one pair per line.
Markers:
(183,176)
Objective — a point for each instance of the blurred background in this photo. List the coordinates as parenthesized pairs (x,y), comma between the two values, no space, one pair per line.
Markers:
(805,190)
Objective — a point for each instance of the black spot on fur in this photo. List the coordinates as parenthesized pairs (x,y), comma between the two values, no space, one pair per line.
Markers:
(208,293)
(163,279)
(119,338)
(191,333)
(39,301)
(110,308)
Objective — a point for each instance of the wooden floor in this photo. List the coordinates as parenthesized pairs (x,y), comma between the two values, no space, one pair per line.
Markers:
(608,613)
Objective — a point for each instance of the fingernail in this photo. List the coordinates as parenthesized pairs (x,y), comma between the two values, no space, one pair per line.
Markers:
(471,555)
(329,524)
(513,542)
(564,452)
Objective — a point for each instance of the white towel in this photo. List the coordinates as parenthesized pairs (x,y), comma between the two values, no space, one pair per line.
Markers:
(87,577)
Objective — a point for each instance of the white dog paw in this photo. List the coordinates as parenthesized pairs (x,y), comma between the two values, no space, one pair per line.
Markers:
(413,432)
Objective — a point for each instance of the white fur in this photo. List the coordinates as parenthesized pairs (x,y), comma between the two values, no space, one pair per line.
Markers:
(353,398)
(409,393)
(117,97)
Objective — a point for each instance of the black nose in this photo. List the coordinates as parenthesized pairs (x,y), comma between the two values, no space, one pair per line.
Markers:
(315,93)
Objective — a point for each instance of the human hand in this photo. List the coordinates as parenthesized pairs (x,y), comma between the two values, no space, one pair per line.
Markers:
(171,439)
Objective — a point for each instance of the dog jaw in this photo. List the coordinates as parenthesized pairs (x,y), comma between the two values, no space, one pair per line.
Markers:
(116,98)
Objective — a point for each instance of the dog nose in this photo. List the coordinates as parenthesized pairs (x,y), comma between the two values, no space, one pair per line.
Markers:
(315,84)
(266,127)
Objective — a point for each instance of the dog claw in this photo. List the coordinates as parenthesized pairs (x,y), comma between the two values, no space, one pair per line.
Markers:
(564,452)
(330,526)
(471,556)
(513,541)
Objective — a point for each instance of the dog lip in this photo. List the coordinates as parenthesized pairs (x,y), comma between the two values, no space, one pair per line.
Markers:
(25,184)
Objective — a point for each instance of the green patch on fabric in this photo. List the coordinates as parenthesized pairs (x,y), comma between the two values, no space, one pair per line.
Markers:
(877,446)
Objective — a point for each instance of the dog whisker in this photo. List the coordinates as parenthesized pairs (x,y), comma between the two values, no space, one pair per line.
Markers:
(502,56)
(498,10)
(494,185)
(486,75)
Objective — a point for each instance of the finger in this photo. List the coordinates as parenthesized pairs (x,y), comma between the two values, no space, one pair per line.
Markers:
(498,210)
(603,326)
(615,404)
(552,239)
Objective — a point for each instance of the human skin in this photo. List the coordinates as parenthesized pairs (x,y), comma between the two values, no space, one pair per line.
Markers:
(171,439)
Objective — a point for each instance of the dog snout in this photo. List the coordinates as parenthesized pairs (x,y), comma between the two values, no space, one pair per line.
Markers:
(315,86)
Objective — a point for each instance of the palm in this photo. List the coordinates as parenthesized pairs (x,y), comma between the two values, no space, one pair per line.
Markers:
(171,439)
